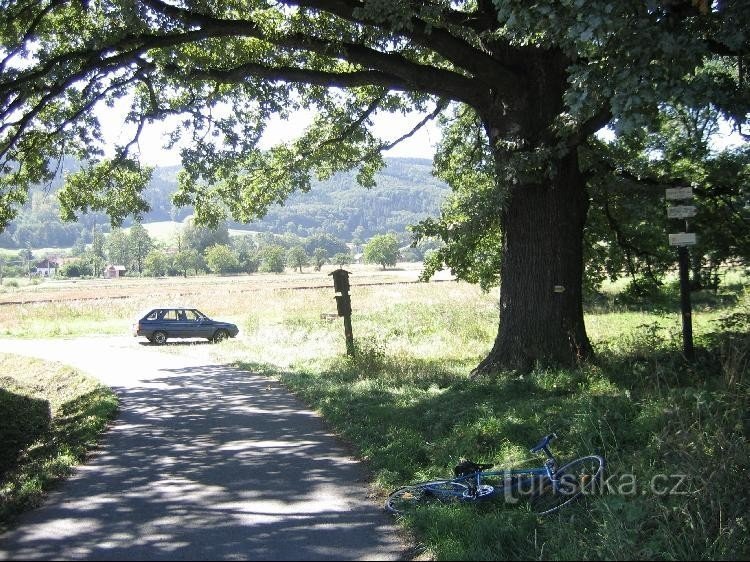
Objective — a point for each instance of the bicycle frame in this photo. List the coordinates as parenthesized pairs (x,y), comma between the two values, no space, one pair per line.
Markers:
(477,489)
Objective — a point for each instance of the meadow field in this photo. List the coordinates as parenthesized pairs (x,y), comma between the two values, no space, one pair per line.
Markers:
(674,433)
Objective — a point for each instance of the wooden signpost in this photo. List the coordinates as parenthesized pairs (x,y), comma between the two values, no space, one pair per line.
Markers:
(682,240)
(344,305)
(680,212)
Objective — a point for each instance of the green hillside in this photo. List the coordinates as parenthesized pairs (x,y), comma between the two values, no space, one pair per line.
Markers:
(406,192)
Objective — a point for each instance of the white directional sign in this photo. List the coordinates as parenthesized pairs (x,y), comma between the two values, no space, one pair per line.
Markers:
(680,212)
(682,239)
(676,193)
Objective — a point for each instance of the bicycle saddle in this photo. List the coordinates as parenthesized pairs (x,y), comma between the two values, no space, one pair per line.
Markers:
(468,467)
(543,443)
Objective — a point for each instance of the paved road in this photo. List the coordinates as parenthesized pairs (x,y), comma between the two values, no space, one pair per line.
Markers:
(204,462)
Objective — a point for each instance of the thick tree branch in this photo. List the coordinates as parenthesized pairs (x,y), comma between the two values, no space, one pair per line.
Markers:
(291,74)
(591,126)
(437,38)
(464,56)
(125,50)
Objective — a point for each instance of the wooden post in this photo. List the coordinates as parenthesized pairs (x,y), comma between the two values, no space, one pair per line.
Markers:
(685,304)
(344,305)
(349,335)
(682,240)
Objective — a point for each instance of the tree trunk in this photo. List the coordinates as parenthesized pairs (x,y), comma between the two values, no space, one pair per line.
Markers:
(541,306)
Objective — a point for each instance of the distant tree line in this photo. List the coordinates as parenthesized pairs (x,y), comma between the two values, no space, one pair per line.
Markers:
(196,250)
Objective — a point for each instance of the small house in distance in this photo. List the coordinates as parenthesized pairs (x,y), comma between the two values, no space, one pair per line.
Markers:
(114,271)
(46,268)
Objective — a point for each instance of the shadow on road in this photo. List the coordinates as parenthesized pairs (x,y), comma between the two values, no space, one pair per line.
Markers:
(206,463)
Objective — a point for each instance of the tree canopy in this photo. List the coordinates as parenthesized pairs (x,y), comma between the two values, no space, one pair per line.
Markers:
(382,249)
(349,60)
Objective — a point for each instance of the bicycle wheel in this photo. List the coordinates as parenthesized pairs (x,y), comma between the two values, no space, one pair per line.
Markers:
(439,491)
(575,479)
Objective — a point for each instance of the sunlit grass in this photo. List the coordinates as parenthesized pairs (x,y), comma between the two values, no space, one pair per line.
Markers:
(50,418)
(407,405)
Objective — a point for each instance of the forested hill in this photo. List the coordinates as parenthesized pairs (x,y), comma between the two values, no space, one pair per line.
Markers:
(406,192)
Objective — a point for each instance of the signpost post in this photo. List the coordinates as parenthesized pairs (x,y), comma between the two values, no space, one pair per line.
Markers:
(344,305)
(682,240)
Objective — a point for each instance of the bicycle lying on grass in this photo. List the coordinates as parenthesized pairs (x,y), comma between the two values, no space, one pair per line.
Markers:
(548,487)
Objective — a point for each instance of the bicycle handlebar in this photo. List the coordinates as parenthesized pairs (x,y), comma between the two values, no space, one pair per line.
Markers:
(543,443)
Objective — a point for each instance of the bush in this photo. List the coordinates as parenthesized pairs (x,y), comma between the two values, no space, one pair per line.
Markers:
(75,269)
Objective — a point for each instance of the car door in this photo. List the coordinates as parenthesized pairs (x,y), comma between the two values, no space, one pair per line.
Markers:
(182,327)
(199,325)
(168,323)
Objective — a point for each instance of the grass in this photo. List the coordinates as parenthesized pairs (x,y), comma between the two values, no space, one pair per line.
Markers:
(50,418)
(413,420)
(674,433)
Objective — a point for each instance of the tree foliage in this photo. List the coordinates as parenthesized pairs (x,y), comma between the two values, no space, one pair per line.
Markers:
(187,259)
(221,259)
(247,253)
(627,226)
(273,258)
(117,247)
(297,258)
(319,258)
(382,249)
(139,245)
(342,258)
(201,237)
(622,60)
(156,263)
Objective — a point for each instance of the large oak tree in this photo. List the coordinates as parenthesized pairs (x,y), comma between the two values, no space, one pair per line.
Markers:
(521,87)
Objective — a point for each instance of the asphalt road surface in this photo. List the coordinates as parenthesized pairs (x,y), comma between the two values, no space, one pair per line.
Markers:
(205,462)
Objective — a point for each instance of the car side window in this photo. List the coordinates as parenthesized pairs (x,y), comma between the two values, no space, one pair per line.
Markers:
(181,315)
(169,315)
(152,315)
(192,316)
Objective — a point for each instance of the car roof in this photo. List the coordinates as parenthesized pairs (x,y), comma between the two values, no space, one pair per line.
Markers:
(149,310)
(170,306)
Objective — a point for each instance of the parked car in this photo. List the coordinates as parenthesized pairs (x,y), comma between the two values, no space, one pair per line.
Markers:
(159,324)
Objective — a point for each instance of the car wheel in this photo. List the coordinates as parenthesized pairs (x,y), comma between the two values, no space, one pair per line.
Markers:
(220,335)
(159,338)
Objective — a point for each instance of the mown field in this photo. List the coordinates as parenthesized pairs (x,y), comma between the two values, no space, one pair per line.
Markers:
(674,433)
